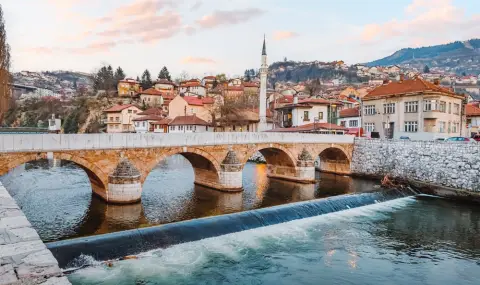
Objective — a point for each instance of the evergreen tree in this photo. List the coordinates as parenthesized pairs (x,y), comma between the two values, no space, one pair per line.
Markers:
(464,73)
(246,76)
(164,74)
(119,74)
(138,79)
(288,75)
(146,81)
(75,84)
(426,69)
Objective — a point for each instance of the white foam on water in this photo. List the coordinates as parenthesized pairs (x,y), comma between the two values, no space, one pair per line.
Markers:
(185,258)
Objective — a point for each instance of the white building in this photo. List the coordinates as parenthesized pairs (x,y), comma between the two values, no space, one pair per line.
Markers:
(350,119)
(188,124)
(54,124)
(145,124)
(308,111)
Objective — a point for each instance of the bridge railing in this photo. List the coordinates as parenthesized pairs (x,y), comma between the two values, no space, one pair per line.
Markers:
(58,142)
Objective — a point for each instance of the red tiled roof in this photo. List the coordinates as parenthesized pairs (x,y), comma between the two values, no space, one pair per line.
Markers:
(152,91)
(195,101)
(152,111)
(234,88)
(191,84)
(148,118)
(188,120)
(118,108)
(310,127)
(317,101)
(352,112)
(164,121)
(210,77)
(250,84)
(406,86)
(471,110)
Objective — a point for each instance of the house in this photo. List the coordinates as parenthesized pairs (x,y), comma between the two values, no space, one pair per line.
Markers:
(201,107)
(243,121)
(209,82)
(350,118)
(167,87)
(188,124)
(251,88)
(152,97)
(120,118)
(414,108)
(235,82)
(128,87)
(193,86)
(472,111)
(161,126)
(233,91)
(145,124)
(307,111)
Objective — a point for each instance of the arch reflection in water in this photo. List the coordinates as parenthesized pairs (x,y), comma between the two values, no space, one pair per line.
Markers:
(59,203)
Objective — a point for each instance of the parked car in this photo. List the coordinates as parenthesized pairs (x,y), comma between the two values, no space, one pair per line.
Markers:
(404,138)
(459,139)
(440,139)
(476,138)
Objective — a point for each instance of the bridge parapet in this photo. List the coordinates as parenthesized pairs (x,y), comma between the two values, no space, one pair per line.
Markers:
(62,142)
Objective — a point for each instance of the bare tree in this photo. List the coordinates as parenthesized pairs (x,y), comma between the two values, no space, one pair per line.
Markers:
(4,69)
(314,87)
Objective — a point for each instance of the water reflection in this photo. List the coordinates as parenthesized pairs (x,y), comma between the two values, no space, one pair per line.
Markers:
(57,197)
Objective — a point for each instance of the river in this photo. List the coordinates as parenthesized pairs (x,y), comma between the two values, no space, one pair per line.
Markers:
(57,199)
(412,240)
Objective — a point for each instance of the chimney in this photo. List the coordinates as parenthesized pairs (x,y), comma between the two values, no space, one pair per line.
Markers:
(402,77)
(436,81)
(295,99)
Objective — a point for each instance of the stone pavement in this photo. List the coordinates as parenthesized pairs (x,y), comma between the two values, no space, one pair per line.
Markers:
(24,258)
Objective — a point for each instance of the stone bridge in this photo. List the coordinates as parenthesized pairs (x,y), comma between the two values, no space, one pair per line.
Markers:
(118,164)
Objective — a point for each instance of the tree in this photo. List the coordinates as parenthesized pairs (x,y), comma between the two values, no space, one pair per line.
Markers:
(313,87)
(138,79)
(246,76)
(221,77)
(119,74)
(426,69)
(5,77)
(146,81)
(288,75)
(164,74)
(464,73)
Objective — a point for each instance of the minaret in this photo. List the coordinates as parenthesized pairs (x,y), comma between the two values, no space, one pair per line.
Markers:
(262,108)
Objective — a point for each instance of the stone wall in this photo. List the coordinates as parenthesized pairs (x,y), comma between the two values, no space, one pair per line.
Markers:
(24,258)
(448,164)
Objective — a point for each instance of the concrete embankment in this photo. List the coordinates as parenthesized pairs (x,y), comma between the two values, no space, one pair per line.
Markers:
(24,258)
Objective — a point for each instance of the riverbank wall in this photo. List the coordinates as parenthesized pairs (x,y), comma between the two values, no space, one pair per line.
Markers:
(24,258)
(446,169)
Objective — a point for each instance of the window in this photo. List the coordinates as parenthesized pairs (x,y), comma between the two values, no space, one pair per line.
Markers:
(456,109)
(455,127)
(449,108)
(428,105)
(172,128)
(111,119)
(369,127)
(441,127)
(411,107)
(389,108)
(129,111)
(180,128)
(370,110)
(143,124)
(411,126)
(320,115)
(117,119)
(343,123)
(443,107)
(305,116)
(353,123)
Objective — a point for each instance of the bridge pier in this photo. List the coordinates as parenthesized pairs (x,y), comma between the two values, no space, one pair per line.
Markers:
(124,186)
(304,172)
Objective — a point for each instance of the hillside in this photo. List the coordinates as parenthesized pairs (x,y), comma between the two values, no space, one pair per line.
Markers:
(302,71)
(456,57)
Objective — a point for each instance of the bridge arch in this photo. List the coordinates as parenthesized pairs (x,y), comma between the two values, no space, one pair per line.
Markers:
(334,159)
(98,179)
(281,163)
(205,166)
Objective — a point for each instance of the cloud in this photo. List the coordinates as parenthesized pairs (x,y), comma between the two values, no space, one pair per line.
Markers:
(424,22)
(283,35)
(189,30)
(231,17)
(143,7)
(197,60)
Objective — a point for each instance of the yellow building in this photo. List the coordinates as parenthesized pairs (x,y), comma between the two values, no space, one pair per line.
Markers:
(128,87)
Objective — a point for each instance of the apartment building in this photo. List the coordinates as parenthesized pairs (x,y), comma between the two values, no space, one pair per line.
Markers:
(413,108)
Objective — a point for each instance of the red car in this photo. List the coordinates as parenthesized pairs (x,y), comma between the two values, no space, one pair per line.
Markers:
(476,138)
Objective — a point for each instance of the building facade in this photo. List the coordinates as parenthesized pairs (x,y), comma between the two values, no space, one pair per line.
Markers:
(413,108)
(189,105)
(120,118)
(128,87)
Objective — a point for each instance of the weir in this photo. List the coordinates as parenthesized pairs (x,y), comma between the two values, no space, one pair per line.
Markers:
(121,244)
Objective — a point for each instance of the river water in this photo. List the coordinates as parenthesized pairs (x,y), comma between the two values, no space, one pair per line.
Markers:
(57,199)
(421,240)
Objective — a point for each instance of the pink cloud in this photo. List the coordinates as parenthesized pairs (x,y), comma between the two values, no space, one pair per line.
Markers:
(197,60)
(283,35)
(432,21)
(232,17)
(143,7)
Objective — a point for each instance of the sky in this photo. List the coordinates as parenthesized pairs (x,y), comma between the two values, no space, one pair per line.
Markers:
(204,37)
